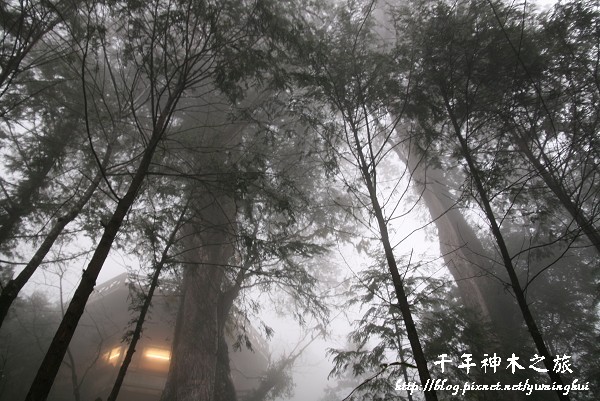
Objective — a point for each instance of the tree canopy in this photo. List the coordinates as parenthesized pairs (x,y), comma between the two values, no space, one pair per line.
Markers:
(234,146)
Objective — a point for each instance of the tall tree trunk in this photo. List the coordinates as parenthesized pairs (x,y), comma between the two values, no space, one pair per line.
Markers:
(532,326)
(14,286)
(367,170)
(47,373)
(401,356)
(199,352)
(545,168)
(137,332)
(224,389)
(462,250)
(554,184)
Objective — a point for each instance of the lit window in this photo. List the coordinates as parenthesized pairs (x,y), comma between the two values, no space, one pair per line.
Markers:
(113,356)
(157,353)
(156,359)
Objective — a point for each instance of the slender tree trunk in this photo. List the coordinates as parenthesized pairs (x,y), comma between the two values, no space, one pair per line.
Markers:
(411,328)
(13,287)
(532,326)
(47,373)
(137,332)
(402,359)
(576,212)
(74,378)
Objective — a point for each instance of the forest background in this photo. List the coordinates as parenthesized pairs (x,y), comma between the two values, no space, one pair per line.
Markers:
(430,163)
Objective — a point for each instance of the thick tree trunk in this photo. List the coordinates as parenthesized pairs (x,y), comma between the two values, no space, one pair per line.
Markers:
(462,251)
(200,361)
(194,354)
(224,389)
(464,254)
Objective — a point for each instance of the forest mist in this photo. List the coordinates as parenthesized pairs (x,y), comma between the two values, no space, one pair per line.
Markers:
(223,200)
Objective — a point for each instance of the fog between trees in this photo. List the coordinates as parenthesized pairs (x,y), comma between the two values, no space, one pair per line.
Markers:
(306,159)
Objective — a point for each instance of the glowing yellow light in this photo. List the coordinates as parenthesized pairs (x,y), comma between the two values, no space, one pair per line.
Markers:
(113,356)
(157,353)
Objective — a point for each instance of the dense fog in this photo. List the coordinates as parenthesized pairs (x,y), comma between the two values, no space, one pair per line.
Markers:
(299,200)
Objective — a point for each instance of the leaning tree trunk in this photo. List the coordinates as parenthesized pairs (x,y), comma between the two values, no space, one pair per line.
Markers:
(368,177)
(58,347)
(545,170)
(518,292)
(199,352)
(462,250)
(145,308)
(14,286)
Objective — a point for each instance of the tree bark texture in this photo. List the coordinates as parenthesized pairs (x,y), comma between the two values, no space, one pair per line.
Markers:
(200,360)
